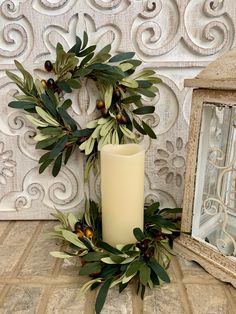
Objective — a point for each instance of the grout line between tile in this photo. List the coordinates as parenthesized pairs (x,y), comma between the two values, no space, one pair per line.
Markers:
(231,302)
(137,302)
(57,267)
(6,231)
(3,295)
(182,289)
(41,280)
(90,299)
(44,300)
(27,250)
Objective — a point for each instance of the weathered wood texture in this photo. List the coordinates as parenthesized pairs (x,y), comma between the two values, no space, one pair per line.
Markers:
(220,74)
(176,38)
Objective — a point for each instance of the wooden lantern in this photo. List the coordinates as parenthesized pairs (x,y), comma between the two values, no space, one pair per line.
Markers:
(209,208)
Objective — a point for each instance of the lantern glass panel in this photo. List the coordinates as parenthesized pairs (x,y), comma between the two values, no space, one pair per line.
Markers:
(214,216)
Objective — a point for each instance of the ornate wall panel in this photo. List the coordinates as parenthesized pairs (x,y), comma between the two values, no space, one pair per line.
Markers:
(177,38)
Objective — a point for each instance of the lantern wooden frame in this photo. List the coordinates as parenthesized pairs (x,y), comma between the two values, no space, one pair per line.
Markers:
(214,85)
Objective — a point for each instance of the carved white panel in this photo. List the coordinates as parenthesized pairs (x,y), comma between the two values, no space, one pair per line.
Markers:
(176,38)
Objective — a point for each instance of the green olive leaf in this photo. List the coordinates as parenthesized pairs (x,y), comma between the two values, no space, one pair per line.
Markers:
(59,254)
(129,82)
(40,137)
(46,116)
(115,137)
(36,121)
(127,132)
(148,130)
(89,145)
(144,274)
(125,66)
(144,110)
(108,96)
(107,127)
(122,56)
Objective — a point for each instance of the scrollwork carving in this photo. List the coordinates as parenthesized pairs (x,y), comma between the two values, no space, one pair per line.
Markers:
(151,198)
(214,31)
(210,38)
(10,10)
(14,35)
(151,9)
(18,125)
(36,191)
(21,203)
(214,8)
(16,122)
(151,37)
(164,198)
(106,5)
(60,193)
(53,5)
(155,33)
(64,189)
(153,120)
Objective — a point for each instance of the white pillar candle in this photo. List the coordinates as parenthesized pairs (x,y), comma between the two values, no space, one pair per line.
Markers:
(122,191)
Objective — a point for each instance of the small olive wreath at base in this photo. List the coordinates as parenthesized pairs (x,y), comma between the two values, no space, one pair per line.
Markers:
(120,94)
(147,259)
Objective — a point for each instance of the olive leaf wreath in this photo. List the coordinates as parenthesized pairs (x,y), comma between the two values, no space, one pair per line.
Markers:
(147,260)
(120,88)
(120,102)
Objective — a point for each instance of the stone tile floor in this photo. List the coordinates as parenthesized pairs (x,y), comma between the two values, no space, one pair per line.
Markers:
(31,281)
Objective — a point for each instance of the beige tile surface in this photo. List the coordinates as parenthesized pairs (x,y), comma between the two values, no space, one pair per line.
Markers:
(21,299)
(31,281)
(163,300)
(63,300)
(39,262)
(207,299)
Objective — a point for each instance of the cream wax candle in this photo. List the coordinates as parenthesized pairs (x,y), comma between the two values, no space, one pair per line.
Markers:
(122,191)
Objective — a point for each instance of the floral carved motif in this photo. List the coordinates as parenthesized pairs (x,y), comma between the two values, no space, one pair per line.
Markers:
(171,163)
(7,164)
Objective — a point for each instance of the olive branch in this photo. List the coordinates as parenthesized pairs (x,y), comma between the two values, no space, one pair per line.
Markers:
(147,260)
(121,89)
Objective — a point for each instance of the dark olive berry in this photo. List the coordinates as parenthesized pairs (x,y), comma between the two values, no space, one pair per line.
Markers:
(140,245)
(123,88)
(146,243)
(78,225)
(82,261)
(149,252)
(124,119)
(48,65)
(100,104)
(116,95)
(51,83)
(121,118)
(105,112)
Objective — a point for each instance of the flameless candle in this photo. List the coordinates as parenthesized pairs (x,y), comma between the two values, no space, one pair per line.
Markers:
(122,191)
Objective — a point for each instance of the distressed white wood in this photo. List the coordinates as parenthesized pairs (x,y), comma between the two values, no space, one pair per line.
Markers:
(176,38)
